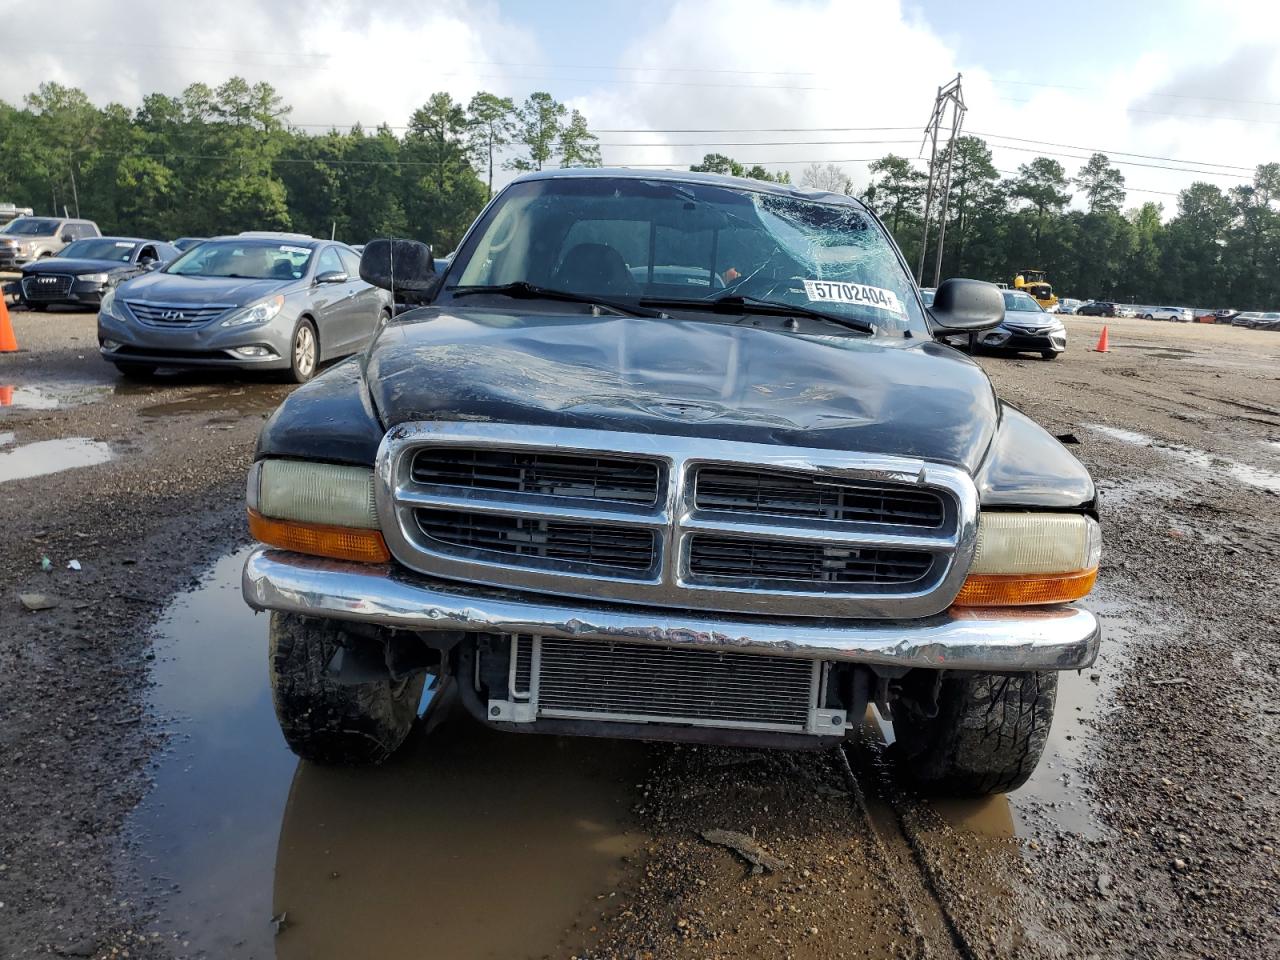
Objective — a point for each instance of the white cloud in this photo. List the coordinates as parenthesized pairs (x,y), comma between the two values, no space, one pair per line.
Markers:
(334,62)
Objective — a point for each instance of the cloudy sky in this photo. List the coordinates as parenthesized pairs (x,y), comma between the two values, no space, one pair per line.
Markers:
(779,82)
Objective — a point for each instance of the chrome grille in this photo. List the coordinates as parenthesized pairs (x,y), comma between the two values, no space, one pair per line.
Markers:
(535,472)
(807,496)
(631,682)
(46,286)
(738,527)
(541,542)
(176,314)
(714,558)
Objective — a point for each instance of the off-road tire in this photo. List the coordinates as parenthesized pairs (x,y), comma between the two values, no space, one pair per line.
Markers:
(986,738)
(327,722)
(136,371)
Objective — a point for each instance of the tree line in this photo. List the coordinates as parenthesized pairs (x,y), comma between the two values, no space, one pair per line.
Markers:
(1221,248)
(223,159)
(216,160)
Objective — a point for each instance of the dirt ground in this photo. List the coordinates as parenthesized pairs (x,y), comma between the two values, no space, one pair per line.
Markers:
(149,809)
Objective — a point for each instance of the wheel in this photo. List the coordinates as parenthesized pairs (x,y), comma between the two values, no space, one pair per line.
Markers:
(305,354)
(986,738)
(325,721)
(1147,316)
(1048,355)
(136,371)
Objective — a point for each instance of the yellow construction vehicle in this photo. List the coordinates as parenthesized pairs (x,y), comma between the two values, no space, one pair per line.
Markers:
(1034,283)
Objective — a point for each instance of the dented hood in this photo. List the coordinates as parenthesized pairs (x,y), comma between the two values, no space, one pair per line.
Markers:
(685,377)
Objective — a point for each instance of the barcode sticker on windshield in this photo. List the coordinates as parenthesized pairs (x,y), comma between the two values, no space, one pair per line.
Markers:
(124,243)
(285,248)
(831,291)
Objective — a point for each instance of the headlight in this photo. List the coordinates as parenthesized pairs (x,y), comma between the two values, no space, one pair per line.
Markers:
(110,307)
(260,312)
(1032,558)
(94,277)
(317,508)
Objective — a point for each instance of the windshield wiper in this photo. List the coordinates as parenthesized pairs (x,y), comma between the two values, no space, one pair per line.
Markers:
(736,303)
(522,290)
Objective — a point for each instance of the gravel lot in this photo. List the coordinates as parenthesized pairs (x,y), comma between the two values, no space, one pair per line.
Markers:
(148,805)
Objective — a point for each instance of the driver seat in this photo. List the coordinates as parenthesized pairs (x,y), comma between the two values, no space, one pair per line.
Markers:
(593,268)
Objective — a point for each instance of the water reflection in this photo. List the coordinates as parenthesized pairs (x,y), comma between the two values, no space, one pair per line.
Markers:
(473,843)
(50,456)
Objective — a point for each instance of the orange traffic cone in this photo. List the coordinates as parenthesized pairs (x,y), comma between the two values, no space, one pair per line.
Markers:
(6,396)
(1102,343)
(8,342)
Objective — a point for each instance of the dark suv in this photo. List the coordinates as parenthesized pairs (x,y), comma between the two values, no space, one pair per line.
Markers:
(672,456)
(1096,308)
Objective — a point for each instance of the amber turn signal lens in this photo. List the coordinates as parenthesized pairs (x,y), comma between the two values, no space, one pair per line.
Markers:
(999,590)
(340,543)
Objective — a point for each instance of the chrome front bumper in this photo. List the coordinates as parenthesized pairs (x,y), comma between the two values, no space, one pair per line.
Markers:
(1061,638)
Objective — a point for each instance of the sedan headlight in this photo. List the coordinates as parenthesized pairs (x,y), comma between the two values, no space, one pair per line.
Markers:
(317,508)
(93,277)
(110,307)
(1025,559)
(260,312)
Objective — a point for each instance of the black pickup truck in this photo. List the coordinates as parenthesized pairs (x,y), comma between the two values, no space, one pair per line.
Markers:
(672,456)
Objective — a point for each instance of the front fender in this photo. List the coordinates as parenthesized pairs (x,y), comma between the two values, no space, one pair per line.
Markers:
(331,418)
(1027,467)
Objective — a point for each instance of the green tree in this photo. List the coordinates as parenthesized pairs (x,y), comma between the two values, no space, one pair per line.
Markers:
(1102,185)
(493,123)
(578,146)
(896,191)
(539,124)
(1043,184)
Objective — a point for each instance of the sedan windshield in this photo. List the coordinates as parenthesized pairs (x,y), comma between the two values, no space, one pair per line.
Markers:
(99,248)
(244,259)
(629,240)
(30,227)
(1021,302)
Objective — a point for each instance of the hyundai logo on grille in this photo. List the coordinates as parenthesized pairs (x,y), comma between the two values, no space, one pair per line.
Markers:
(173,315)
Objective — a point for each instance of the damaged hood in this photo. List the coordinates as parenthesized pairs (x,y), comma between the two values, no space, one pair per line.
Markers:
(685,377)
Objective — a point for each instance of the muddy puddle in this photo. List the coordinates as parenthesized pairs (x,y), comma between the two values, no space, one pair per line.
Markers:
(470,844)
(42,457)
(237,404)
(1200,461)
(50,396)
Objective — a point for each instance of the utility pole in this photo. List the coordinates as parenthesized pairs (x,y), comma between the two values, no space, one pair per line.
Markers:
(950,100)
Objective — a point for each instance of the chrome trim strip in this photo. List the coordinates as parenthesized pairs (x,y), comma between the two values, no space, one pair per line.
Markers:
(675,513)
(1051,638)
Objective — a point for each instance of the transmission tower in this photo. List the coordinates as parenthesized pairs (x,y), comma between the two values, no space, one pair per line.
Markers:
(950,101)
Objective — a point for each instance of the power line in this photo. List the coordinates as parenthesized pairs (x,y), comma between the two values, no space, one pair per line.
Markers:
(1172,96)
(1109,152)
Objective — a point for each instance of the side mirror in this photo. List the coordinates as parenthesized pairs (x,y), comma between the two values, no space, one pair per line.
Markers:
(966,306)
(332,276)
(405,267)
(67,238)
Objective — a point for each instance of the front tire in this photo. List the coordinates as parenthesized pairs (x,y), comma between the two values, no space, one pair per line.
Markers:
(986,738)
(304,354)
(325,721)
(1048,354)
